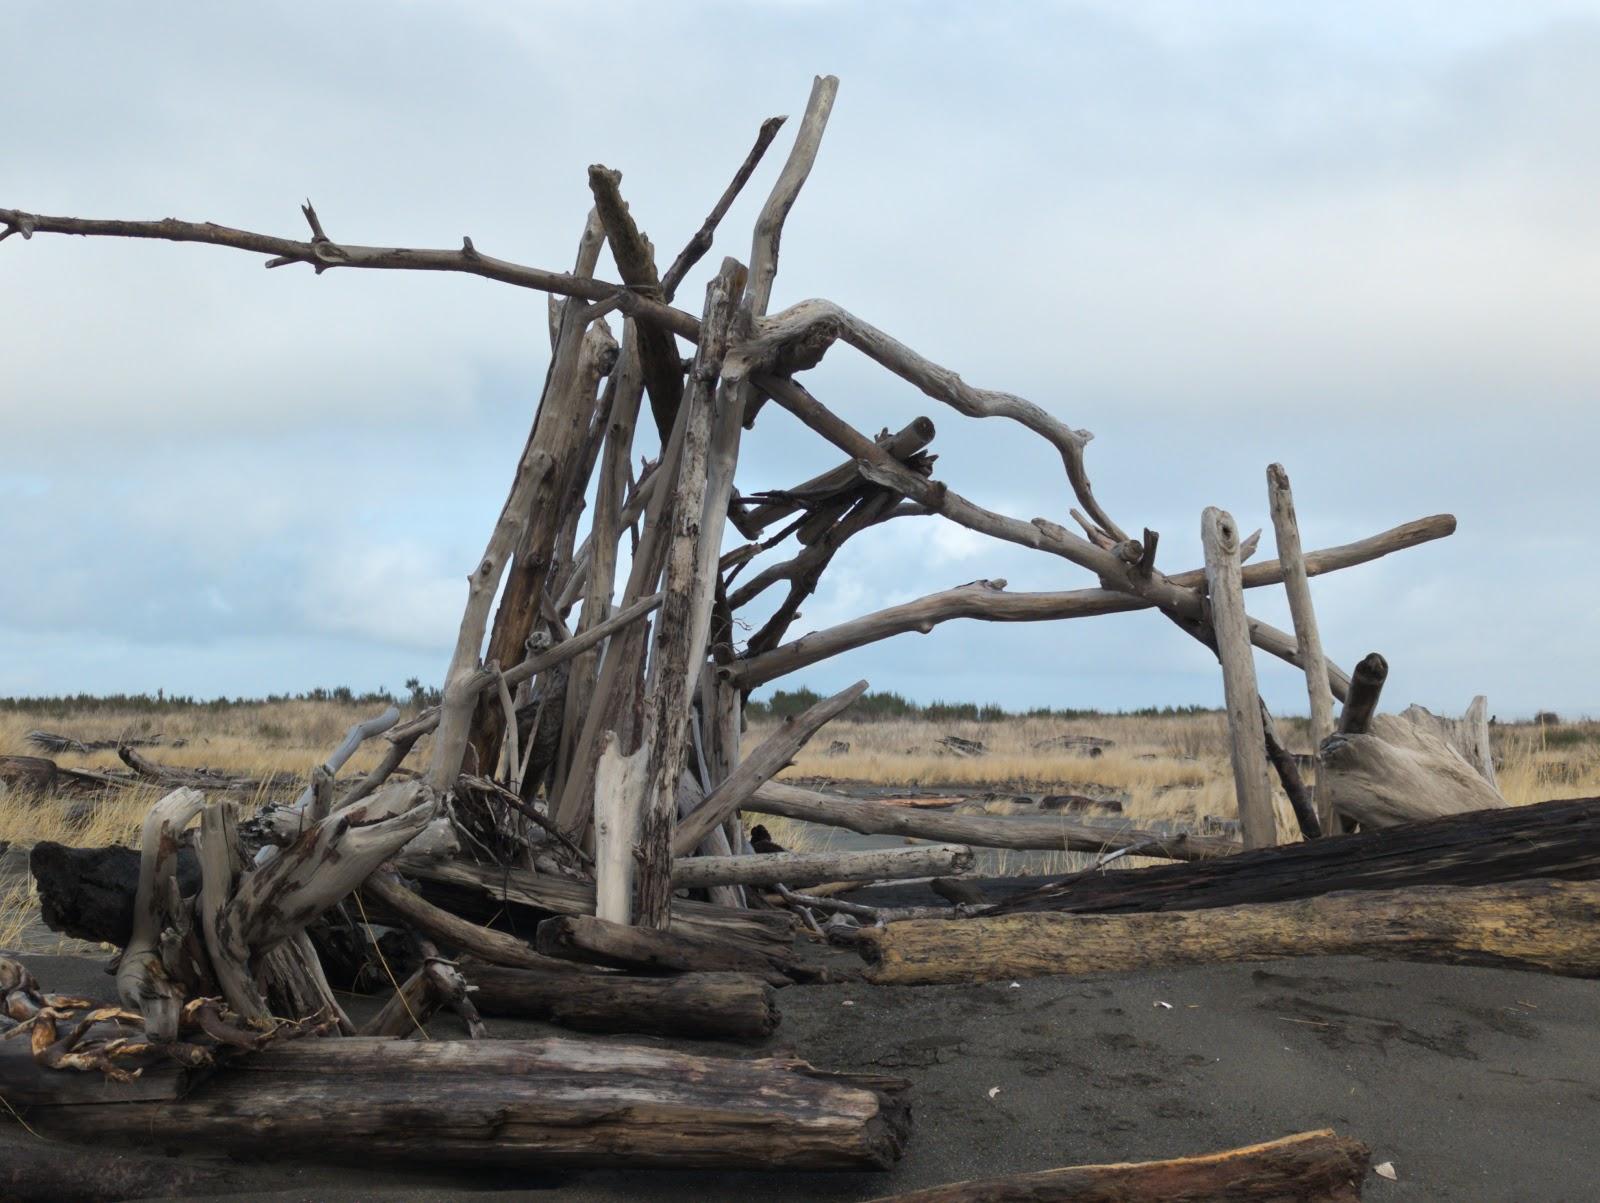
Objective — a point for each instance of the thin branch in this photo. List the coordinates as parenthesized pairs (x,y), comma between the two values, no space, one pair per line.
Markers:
(798,338)
(322,255)
(701,242)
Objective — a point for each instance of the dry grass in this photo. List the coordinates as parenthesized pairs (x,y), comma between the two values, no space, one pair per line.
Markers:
(1173,768)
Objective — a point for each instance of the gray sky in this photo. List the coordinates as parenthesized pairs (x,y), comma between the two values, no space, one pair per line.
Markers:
(1360,239)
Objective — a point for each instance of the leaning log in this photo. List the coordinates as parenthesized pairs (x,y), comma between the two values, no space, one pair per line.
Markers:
(1054,833)
(702,1006)
(1538,925)
(1558,839)
(517,1104)
(1309,1167)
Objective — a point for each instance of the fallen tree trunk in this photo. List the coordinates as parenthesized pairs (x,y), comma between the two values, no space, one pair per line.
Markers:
(1310,1167)
(42,1171)
(516,1104)
(1550,839)
(809,868)
(1539,925)
(1055,832)
(653,950)
(708,1006)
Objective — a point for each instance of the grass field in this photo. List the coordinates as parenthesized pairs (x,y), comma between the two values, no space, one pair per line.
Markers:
(1166,767)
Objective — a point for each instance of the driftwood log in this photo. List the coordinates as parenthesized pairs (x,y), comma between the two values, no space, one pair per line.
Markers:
(1310,1167)
(707,1006)
(1539,925)
(514,1104)
(1402,767)
(810,868)
(46,1171)
(1558,839)
(1053,832)
(652,950)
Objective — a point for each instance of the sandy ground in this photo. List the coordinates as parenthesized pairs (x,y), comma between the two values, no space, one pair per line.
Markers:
(1477,1084)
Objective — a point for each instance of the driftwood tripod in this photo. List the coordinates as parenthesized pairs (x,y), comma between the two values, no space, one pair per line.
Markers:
(585,762)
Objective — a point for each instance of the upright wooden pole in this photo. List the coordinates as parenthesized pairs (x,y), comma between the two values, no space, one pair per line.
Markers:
(1257,821)
(1307,639)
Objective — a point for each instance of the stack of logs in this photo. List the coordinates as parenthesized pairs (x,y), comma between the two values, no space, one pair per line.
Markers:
(568,844)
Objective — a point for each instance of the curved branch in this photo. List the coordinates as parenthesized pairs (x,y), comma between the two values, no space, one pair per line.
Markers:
(986,600)
(798,338)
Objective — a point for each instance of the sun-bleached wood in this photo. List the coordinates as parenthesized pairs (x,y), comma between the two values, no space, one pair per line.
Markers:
(146,981)
(1402,768)
(681,632)
(1539,925)
(1308,639)
(619,785)
(1053,832)
(1257,819)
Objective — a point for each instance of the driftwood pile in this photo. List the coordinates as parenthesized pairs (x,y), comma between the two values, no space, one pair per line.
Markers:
(561,837)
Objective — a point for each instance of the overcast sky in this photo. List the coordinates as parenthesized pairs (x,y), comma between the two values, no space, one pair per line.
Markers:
(1360,239)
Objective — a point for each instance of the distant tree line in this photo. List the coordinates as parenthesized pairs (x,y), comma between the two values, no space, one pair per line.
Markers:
(416,695)
(884,705)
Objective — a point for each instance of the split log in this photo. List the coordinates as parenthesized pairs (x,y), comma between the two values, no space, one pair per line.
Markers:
(1547,840)
(810,868)
(1053,832)
(653,950)
(517,1104)
(1247,742)
(701,1006)
(1538,925)
(1309,1167)
(1399,770)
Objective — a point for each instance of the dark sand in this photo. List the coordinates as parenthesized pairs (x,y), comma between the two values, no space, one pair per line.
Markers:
(1478,1084)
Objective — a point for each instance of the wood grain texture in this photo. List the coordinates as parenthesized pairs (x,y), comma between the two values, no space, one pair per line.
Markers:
(1539,925)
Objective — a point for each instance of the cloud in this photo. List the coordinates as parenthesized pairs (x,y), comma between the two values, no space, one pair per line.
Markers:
(1359,240)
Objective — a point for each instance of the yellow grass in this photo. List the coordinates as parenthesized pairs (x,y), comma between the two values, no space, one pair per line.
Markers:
(1172,768)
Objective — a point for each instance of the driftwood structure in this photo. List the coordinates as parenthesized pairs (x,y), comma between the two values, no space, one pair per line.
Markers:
(560,836)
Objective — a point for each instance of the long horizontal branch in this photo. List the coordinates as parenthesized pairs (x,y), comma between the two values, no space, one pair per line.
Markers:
(987,600)
(1043,832)
(322,253)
